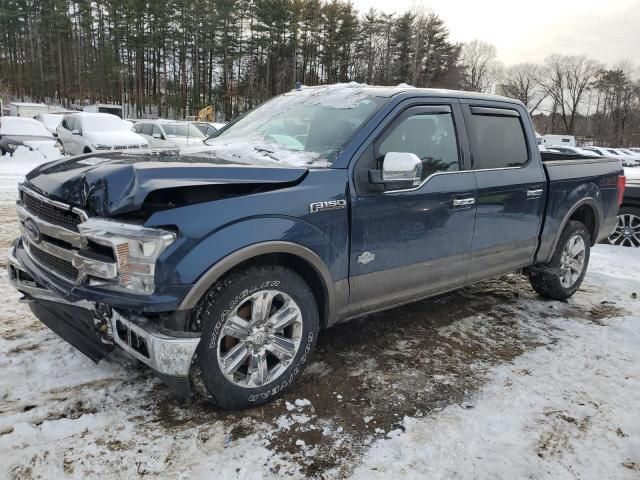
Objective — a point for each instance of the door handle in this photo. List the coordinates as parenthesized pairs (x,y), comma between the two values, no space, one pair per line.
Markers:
(535,193)
(463,202)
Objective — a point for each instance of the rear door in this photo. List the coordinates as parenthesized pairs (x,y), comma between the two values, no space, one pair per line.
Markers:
(408,243)
(511,187)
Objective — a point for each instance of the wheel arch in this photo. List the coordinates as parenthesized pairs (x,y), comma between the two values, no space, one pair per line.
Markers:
(584,210)
(297,257)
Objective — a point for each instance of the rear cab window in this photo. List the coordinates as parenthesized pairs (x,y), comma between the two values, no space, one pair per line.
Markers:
(497,138)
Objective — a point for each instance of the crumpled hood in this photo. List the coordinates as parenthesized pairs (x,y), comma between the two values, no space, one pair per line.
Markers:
(110,183)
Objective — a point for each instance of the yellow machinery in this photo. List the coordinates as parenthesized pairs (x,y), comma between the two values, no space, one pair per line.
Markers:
(207,114)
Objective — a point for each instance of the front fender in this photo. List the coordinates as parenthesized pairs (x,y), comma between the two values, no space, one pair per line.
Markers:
(226,248)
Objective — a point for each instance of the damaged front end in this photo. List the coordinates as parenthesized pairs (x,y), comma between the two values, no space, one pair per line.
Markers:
(91,281)
(95,329)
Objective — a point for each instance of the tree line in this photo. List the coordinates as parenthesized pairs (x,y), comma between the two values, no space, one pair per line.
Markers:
(172,58)
(179,55)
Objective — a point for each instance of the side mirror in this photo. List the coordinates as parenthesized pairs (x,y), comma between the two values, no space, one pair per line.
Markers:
(157,135)
(76,132)
(402,167)
(400,170)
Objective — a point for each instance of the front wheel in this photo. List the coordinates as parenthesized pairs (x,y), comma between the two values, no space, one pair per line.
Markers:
(562,276)
(259,327)
(627,231)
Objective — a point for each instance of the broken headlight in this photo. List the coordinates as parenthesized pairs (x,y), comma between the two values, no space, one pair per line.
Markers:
(135,250)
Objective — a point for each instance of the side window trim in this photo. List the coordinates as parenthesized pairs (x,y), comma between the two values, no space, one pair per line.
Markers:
(473,110)
(421,110)
(495,112)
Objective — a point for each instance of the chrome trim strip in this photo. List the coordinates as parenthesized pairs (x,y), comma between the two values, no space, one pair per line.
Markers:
(27,248)
(64,206)
(167,355)
(51,230)
(461,202)
(33,291)
(88,266)
(413,189)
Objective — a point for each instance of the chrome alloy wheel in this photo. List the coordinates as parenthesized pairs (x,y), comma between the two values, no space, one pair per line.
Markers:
(572,261)
(627,231)
(259,339)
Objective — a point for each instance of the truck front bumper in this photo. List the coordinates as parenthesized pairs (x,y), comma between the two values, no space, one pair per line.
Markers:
(96,329)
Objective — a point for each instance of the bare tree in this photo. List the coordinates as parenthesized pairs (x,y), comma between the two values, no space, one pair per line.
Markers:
(479,60)
(567,79)
(523,81)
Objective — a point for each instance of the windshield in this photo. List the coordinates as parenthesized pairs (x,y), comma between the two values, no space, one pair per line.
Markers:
(104,122)
(181,130)
(299,128)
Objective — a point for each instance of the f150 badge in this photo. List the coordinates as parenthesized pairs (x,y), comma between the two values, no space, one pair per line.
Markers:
(327,205)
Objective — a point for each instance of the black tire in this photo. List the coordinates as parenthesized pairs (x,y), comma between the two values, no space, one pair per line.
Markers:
(233,292)
(627,228)
(546,278)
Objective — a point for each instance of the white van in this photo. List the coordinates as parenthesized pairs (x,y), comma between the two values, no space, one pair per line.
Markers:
(558,140)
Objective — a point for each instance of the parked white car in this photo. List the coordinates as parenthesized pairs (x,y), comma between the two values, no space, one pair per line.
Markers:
(575,151)
(168,133)
(27,132)
(626,160)
(90,132)
(51,121)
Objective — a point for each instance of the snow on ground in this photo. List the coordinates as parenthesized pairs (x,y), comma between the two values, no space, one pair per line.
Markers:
(488,382)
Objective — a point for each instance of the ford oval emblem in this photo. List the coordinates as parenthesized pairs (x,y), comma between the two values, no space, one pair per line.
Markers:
(33,232)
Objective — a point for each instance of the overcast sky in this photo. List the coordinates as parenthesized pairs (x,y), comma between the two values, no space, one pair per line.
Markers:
(607,30)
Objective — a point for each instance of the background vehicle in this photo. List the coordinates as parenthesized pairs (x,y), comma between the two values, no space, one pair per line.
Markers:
(208,128)
(218,265)
(104,108)
(612,153)
(17,131)
(575,151)
(90,132)
(29,110)
(631,153)
(168,133)
(627,231)
(558,140)
(51,121)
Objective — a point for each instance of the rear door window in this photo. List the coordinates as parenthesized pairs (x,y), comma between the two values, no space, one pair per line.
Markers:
(498,140)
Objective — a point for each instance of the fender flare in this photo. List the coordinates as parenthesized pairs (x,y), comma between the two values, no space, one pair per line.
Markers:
(583,201)
(214,273)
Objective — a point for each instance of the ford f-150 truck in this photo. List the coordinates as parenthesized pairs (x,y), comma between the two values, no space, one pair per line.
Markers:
(217,266)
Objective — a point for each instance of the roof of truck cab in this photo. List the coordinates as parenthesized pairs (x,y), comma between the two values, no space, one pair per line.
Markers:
(389,91)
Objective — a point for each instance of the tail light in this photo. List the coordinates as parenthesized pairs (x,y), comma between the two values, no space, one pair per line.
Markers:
(622,183)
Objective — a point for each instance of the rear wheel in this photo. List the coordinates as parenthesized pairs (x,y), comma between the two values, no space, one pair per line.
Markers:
(627,231)
(562,276)
(259,326)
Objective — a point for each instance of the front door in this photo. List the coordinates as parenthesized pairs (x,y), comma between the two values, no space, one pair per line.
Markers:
(406,244)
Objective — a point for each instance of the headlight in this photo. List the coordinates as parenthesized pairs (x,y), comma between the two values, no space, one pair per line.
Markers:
(135,248)
(102,147)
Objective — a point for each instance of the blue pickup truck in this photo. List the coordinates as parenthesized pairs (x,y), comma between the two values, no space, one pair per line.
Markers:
(219,265)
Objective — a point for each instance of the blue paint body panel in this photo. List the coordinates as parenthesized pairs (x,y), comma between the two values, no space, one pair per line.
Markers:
(421,243)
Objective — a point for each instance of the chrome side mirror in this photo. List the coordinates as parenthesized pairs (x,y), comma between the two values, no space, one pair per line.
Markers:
(402,167)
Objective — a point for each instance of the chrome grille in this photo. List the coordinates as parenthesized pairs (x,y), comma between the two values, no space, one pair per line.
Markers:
(51,212)
(57,265)
(57,239)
